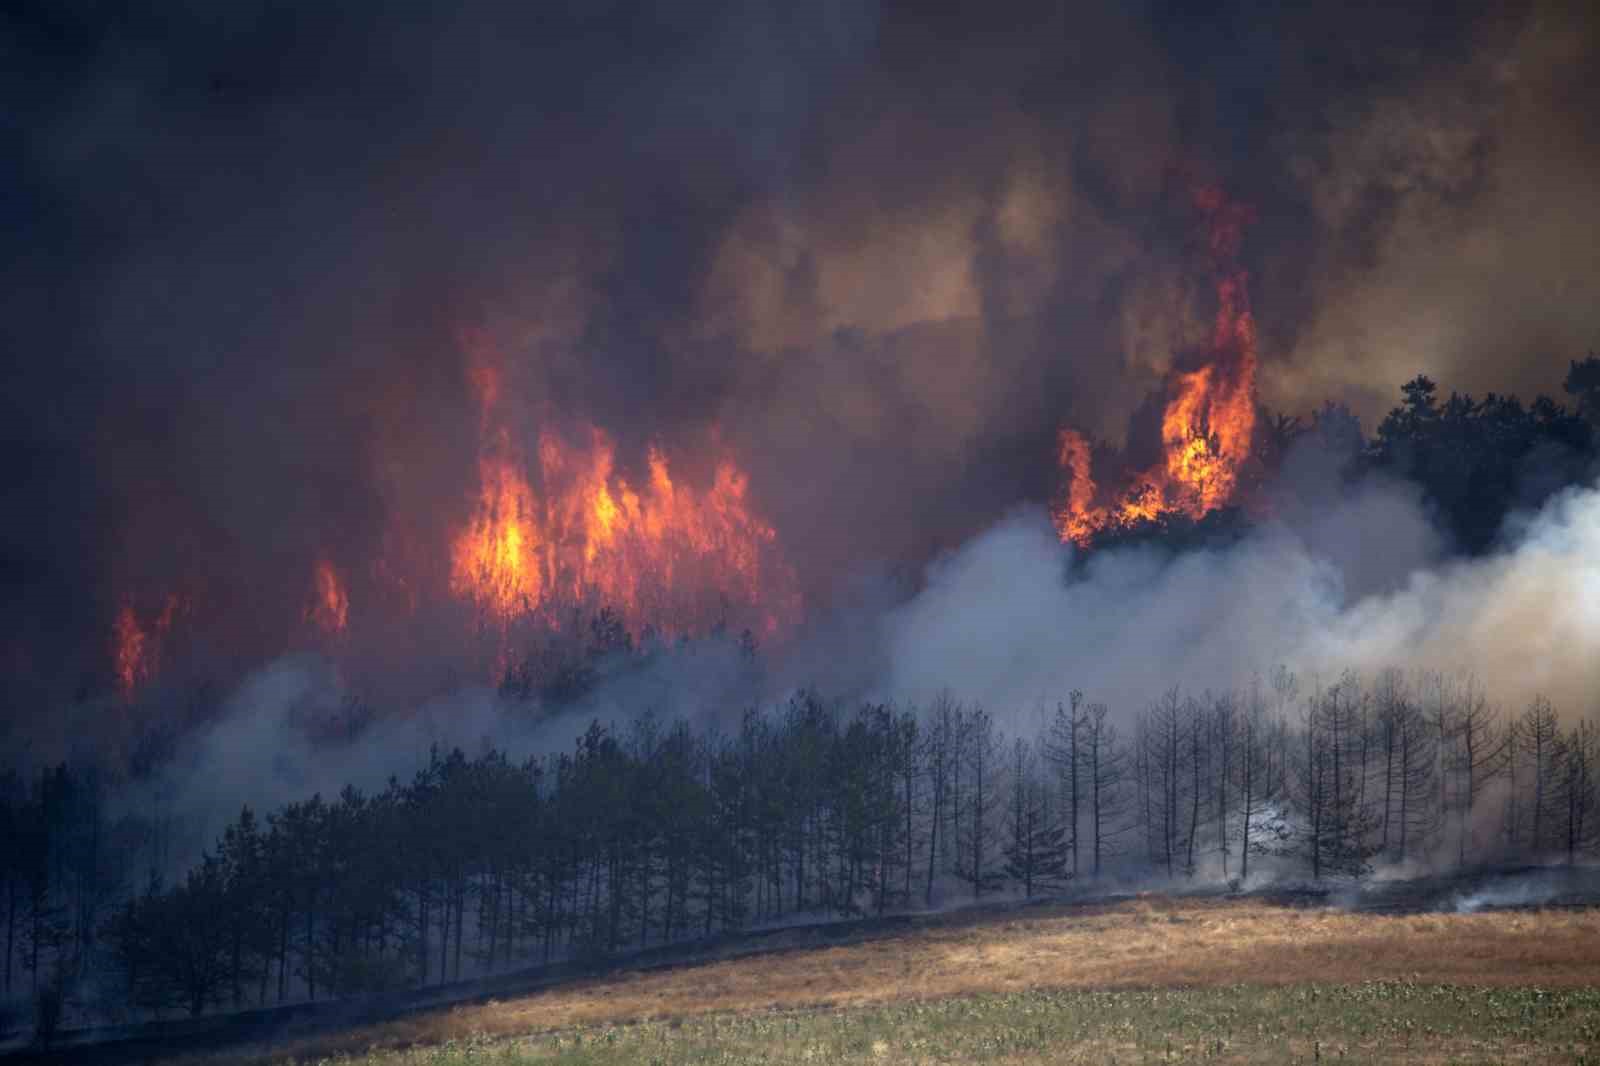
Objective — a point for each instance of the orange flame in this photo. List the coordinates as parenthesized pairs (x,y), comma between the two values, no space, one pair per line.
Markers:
(662,554)
(329,608)
(129,652)
(496,559)
(1209,420)
(546,536)
(136,646)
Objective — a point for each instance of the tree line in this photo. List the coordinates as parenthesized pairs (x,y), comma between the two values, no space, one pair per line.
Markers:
(652,833)
(1475,460)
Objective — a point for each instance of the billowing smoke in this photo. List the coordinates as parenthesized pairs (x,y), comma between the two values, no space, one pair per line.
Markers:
(878,253)
(1002,622)
(288,732)
(1450,241)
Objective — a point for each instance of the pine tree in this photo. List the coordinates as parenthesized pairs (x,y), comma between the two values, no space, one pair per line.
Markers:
(1036,848)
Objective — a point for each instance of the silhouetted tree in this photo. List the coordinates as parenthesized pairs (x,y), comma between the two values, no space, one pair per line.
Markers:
(1035,844)
(1106,763)
(1576,791)
(1583,385)
(1476,460)
(976,830)
(1064,751)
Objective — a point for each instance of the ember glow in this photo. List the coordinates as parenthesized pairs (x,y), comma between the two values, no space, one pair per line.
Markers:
(137,645)
(1209,419)
(329,609)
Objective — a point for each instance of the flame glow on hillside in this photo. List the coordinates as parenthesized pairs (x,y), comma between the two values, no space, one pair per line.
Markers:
(551,536)
(1208,421)
(329,609)
(558,526)
(664,555)
(137,645)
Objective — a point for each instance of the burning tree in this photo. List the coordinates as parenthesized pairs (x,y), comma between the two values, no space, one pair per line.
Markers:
(1208,420)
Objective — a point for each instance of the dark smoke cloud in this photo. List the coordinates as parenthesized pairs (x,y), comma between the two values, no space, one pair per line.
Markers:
(886,250)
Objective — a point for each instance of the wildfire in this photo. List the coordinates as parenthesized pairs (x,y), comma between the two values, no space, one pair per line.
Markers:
(329,608)
(663,553)
(136,645)
(496,562)
(1209,419)
(549,535)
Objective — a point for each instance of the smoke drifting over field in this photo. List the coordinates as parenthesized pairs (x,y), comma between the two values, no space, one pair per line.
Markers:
(858,261)
(998,624)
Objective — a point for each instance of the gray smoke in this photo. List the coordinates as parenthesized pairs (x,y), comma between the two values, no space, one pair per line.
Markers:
(1006,622)
(1001,623)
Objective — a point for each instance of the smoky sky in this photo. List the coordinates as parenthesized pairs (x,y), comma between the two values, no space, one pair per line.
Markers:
(882,251)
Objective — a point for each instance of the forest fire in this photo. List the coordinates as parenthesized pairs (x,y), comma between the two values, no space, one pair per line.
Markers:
(549,539)
(137,646)
(1208,421)
(501,499)
(665,555)
(329,609)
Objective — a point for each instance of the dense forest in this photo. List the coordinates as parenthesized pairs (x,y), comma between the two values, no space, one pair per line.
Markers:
(650,831)
(658,833)
(1475,460)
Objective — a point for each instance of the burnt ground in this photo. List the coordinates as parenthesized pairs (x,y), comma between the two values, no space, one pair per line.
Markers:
(1513,888)
(1491,888)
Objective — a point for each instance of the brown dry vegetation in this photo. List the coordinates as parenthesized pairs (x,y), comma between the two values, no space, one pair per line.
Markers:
(1149,942)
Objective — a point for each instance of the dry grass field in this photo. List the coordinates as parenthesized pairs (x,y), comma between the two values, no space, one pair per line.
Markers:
(1148,979)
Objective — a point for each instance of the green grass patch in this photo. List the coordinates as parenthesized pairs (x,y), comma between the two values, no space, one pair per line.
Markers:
(1375,1022)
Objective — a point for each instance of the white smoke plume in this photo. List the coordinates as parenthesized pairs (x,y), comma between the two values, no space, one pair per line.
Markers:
(1000,621)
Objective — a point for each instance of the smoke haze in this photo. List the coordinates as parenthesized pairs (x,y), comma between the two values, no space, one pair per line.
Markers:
(1001,624)
(880,254)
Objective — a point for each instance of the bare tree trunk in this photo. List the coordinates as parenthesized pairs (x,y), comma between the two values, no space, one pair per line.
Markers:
(1195,732)
(1247,792)
(1073,726)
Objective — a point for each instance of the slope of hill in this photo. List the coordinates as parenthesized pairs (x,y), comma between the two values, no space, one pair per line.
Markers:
(1492,966)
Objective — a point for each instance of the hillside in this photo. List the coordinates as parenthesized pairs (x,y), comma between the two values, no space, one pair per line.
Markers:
(1132,973)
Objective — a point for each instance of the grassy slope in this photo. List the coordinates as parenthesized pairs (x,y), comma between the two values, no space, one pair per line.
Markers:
(1230,980)
(1376,1022)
